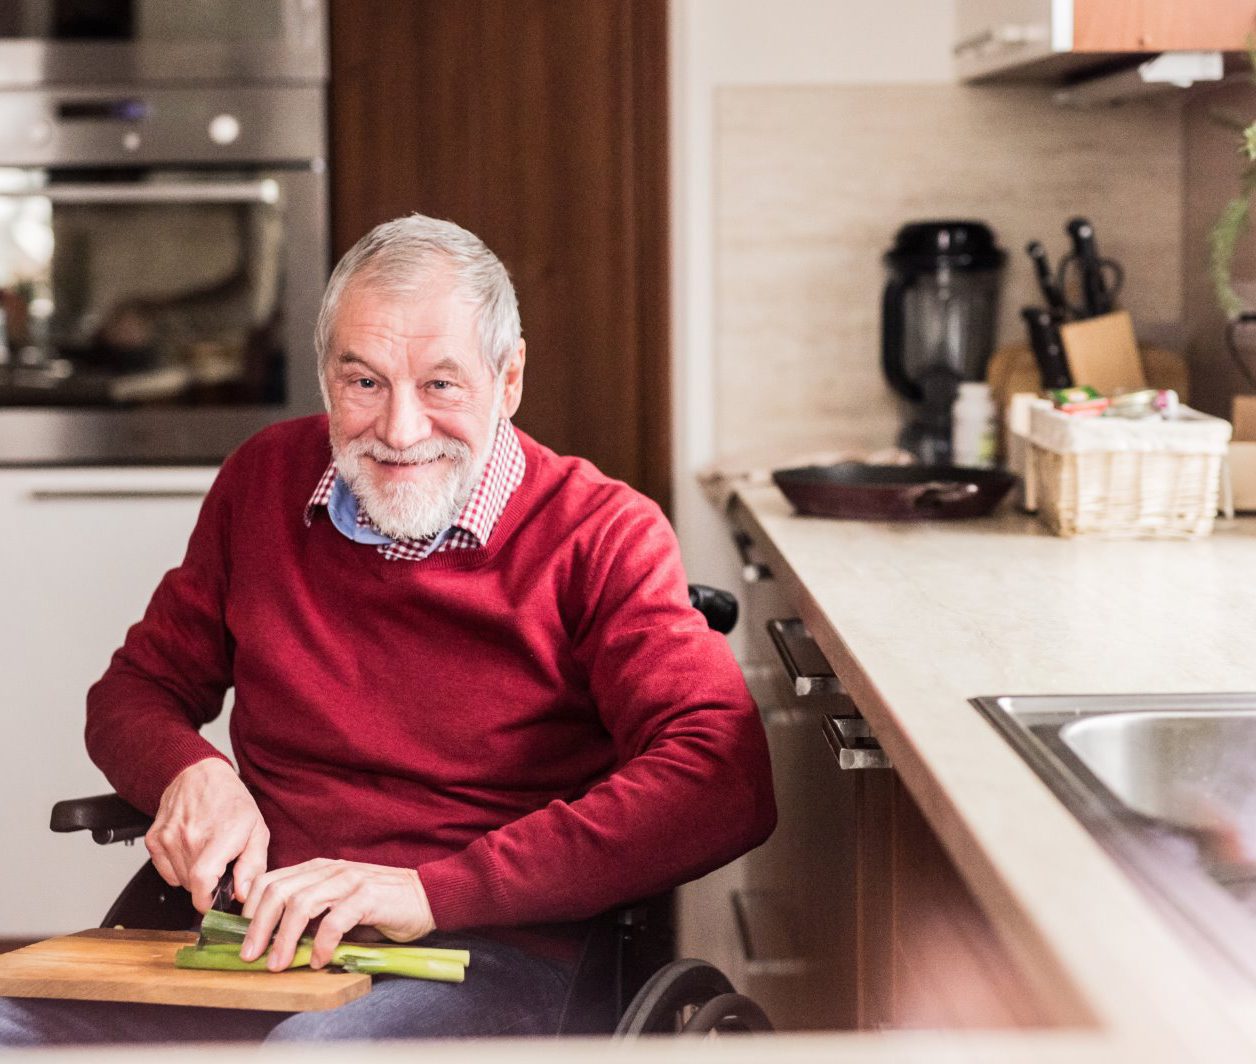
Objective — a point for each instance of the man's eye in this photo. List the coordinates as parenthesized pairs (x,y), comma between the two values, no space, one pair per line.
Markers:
(364,383)
(442,386)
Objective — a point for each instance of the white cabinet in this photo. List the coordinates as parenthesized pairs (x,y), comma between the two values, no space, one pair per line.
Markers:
(81,551)
(1001,36)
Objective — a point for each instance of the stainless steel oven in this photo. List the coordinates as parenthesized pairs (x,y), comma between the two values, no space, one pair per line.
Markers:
(162,253)
(94,42)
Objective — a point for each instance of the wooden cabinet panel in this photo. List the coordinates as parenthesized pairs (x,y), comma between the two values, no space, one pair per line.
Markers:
(928,956)
(1161,25)
(540,125)
(874,899)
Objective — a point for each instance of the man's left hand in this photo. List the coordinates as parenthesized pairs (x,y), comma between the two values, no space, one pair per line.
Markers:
(351,893)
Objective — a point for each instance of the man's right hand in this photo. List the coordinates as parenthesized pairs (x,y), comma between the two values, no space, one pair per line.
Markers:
(206,819)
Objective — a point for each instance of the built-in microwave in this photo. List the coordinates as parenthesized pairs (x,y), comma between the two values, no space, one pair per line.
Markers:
(162,255)
(138,42)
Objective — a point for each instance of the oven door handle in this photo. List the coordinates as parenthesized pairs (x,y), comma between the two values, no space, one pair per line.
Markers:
(263,191)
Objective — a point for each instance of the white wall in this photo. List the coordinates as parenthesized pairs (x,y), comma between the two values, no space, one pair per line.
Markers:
(716,43)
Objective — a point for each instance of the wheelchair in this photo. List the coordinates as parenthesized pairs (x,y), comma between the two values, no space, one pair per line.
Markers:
(626,983)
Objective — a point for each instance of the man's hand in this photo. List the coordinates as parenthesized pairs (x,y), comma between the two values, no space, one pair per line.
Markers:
(392,900)
(207,818)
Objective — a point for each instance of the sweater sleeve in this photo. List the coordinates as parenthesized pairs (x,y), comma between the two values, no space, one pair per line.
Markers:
(171,674)
(693,788)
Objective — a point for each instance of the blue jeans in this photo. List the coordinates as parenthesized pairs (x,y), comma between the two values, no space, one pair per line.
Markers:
(507,992)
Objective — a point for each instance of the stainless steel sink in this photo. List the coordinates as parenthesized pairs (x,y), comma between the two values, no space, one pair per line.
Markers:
(1195,769)
(1167,783)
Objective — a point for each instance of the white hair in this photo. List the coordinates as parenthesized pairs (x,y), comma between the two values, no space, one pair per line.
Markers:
(399,258)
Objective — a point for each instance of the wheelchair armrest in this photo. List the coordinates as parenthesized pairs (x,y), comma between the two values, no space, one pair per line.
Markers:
(717,606)
(106,816)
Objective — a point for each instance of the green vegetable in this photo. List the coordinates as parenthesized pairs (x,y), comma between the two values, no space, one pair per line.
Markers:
(386,962)
(218,949)
(226,958)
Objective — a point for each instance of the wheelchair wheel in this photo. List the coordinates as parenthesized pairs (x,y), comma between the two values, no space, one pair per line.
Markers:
(726,1014)
(659,1007)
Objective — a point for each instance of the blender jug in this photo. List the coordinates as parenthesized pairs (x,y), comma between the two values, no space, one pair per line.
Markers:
(939,312)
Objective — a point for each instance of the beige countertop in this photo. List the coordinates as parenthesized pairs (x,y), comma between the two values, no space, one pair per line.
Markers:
(918,618)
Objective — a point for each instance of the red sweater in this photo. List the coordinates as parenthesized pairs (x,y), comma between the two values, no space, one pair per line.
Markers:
(543,727)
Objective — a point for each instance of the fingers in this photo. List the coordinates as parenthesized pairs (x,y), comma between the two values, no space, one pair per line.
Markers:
(252,860)
(272,895)
(162,861)
(338,922)
(281,904)
(206,819)
(297,912)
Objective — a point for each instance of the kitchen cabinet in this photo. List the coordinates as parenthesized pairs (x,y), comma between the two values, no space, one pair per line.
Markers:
(927,955)
(852,915)
(1055,39)
(1162,25)
(795,915)
(82,551)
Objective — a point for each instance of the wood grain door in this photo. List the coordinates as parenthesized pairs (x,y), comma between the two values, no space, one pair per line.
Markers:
(540,125)
(1161,25)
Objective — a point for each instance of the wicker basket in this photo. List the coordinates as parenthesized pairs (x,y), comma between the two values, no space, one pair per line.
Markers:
(1123,478)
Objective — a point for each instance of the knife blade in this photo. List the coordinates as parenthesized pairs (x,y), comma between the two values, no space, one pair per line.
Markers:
(224,896)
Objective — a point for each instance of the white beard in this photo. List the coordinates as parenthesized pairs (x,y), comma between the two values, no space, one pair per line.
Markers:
(412,511)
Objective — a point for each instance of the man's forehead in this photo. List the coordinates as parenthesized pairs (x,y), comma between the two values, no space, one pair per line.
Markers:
(433,311)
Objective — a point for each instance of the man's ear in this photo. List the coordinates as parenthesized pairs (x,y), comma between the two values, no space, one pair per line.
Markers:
(512,388)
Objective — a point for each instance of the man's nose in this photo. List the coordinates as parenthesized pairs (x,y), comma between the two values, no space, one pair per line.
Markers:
(403,421)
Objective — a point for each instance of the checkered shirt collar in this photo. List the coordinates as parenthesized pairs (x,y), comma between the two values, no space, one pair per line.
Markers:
(503,473)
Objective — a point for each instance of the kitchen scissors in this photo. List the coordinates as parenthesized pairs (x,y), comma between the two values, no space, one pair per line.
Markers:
(1083,269)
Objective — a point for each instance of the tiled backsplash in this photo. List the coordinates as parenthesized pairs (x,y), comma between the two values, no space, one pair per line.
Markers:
(812,183)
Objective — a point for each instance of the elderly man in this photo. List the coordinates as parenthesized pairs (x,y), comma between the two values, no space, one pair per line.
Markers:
(472,703)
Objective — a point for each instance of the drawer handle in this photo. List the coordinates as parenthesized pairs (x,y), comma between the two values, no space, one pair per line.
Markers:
(853,744)
(751,571)
(806,666)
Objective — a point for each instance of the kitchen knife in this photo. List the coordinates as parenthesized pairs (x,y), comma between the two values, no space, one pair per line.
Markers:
(1096,299)
(1046,281)
(224,895)
(1044,338)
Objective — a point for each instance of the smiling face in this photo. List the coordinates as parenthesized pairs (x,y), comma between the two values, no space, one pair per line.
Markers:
(413,405)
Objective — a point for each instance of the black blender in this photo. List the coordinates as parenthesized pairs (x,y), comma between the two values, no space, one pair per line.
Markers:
(938,317)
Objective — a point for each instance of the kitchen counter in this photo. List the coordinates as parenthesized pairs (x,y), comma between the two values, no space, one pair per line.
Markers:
(917,619)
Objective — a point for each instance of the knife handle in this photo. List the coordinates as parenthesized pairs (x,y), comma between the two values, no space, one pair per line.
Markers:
(1095,296)
(1046,281)
(1044,339)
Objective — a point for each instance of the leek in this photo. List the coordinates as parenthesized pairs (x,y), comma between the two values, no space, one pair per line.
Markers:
(385,962)
(218,949)
(226,958)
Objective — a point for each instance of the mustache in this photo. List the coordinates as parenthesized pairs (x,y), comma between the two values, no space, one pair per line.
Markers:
(417,454)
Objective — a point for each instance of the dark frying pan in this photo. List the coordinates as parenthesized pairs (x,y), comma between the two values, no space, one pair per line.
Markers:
(893,493)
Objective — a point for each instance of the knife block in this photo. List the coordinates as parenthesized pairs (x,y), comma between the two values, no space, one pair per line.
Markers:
(1103,353)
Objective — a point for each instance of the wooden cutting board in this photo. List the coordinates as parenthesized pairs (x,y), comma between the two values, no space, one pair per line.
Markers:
(112,964)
